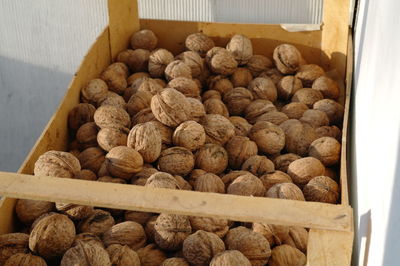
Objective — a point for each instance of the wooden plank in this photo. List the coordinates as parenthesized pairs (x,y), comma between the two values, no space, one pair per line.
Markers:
(130,197)
(7,217)
(123,22)
(329,248)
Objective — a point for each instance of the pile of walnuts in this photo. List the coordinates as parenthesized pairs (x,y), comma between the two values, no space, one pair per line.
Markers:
(210,119)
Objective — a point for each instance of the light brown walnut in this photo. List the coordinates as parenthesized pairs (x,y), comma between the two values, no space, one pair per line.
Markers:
(146,84)
(285,191)
(209,183)
(144,39)
(327,86)
(111,116)
(22,259)
(190,135)
(194,174)
(29,210)
(114,100)
(80,114)
(193,60)
(12,243)
(241,48)
(308,73)
(322,189)
(138,101)
(269,137)
(137,60)
(241,77)
(85,254)
(274,117)
(216,106)
(158,61)
(263,88)
(199,43)
(150,255)
(175,262)
(86,135)
(87,238)
(143,116)
(258,165)
(57,164)
(288,86)
(294,110)
(299,136)
(273,74)
(220,227)
(221,61)
(332,109)
(307,96)
(239,150)
(211,94)
(287,58)
(176,69)
(287,255)
(135,76)
(242,127)
(219,83)
(146,139)
(171,230)
(273,178)
(149,228)
(303,170)
(109,138)
(162,180)
(123,162)
(325,149)
(197,110)
(94,92)
(237,100)
(229,258)
(275,234)
(329,131)
(138,217)
(126,233)
(186,86)
(232,175)
(176,161)
(165,132)
(212,158)
(218,128)
(246,185)
(122,255)
(258,64)
(115,76)
(97,223)
(73,211)
(298,238)
(257,108)
(315,118)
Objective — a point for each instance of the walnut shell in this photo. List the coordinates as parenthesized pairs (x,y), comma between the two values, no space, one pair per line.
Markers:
(221,61)
(111,116)
(132,78)
(329,131)
(94,92)
(192,60)
(303,170)
(237,100)
(11,244)
(273,74)
(126,233)
(270,138)
(328,87)
(52,234)
(190,135)
(287,58)
(219,83)
(332,109)
(144,39)
(211,94)
(274,117)
(73,211)
(199,43)
(263,88)
(177,68)
(325,149)
(162,180)
(149,228)
(139,217)
(212,158)
(322,189)
(137,60)
(294,110)
(197,109)
(183,184)
(298,238)
(145,84)
(299,136)
(273,178)
(209,183)
(307,96)
(138,101)
(218,128)
(122,255)
(231,176)
(92,159)
(123,162)
(171,230)
(108,138)
(287,255)
(257,108)
(258,165)
(216,106)
(80,114)
(114,99)
(143,116)
(175,262)
(258,64)
(115,76)
(145,139)
(241,48)
(242,127)
(141,177)
(275,234)
(29,210)
(241,77)
(213,225)
(239,150)
(285,191)
(288,86)
(199,248)
(230,257)
(86,135)
(22,259)
(158,61)
(315,118)
(165,132)
(97,223)
(308,73)
(176,160)
(246,185)
(150,255)
(87,238)
(194,174)
(57,164)
(85,254)
(186,86)
(252,245)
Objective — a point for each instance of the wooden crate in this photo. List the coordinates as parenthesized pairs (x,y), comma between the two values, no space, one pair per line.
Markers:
(331,226)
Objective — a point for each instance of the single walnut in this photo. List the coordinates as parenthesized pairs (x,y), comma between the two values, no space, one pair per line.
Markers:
(194,174)
(274,117)
(239,150)
(285,191)
(273,74)
(144,39)
(257,108)
(97,223)
(287,255)
(228,258)
(126,233)
(242,127)
(231,176)
(241,48)
(162,180)
(182,183)
(325,149)
(246,185)
(329,131)
(145,115)
(57,164)
(92,159)
(139,217)
(197,110)
(258,165)
(199,43)
(219,83)
(322,189)
(308,73)
(307,96)
(216,106)
(165,132)
(94,92)
(111,116)
(22,259)
(115,76)
(85,254)
(270,138)
(211,94)
(237,100)
(294,110)
(29,210)
(212,158)
(299,136)
(303,170)
(114,100)
(171,230)
(241,77)
(209,183)
(146,84)
(87,238)
(138,101)
(189,135)
(149,228)
(51,235)
(145,139)
(86,135)
(175,262)
(122,255)
(186,86)
(80,114)
(177,69)
(298,238)
(158,61)
(273,178)
(213,225)
(176,160)
(275,234)
(253,245)
(109,179)
(108,138)
(150,255)
(132,78)
(258,64)
(221,61)
(137,60)
(288,86)
(199,248)
(123,162)
(288,124)
(192,60)
(11,244)
(287,58)
(328,87)
(103,170)
(73,211)
(141,177)
(315,118)
(218,128)
(332,109)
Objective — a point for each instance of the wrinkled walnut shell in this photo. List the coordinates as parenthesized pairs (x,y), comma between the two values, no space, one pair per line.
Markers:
(287,58)
(308,73)
(11,244)
(122,255)
(242,127)
(221,61)
(80,114)
(209,183)
(257,64)
(158,61)
(92,159)
(328,87)
(258,165)
(288,86)
(126,233)
(111,116)
(237,100)
(322,189)
(144,39)
(269,137)
(123,162)
(303,170)
(239,150)
(263,88)
(171,230)
(58,164)
(273,178)
(294,110)
(285,191)
(212,158)
(218,128)
(146,139)
(176,160)
(325,149)
(94,92)
(199,43)
(190,135)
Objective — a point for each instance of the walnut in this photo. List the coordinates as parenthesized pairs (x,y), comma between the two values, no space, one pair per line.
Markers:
(126,233)
(189,135)
(211,94)
(150,255)
(258,165)
(303,170)
(109,179)
(122,255)
(149,228)
(287,255)
(332,109)
(94,92)
(138,101)
(146,84)
(108,138)
(92,159)
(252,244)
(171,230)
(22,259)
(194,174)
(115,76)
(143,116)
(186,86)
(86,135)
(80,114)
(258,64)
(294,110)
(213,225)
(137,60)
(270,138)
(298,238)
(145,139)
(199,43)
(212,158)
(216,106)
(288,86)
(52,234)
(274,117)
(263,88)
(239,150)
(328,87)
(123,162)
(139,217)
(218,128)
(237,100)
(325,149)
(85,254)
(209,183)
(197,109)
(11,244)
(141,177)
(241,48)
(308,73)
(158,61)
(176,160)
(132,78)
(230,257)
(273,74)
(199,248)
(246,185)
(273,178)
(285,191)
(329,131)
(231,176)
(165,132)
(162,180)
(97,223)
(103,170)
(182,183)
(73,211)
(242,127)
(288,124)
(58,164)
(144,39)
(221,61)
(315,118)
(287,58)
(193,60)
(87,238)
(114,100)
(171,107)
(29,210)
(257,108)
(299,136)
(241,77)
(275,234)
(175,262)
(220,83)
(177,69)
(111,116)
(322,189)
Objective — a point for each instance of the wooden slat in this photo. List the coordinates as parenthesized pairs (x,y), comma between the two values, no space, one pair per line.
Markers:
(7,219)
(130,197)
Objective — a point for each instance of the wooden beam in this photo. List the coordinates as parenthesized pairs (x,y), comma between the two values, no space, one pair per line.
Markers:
(130,197)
